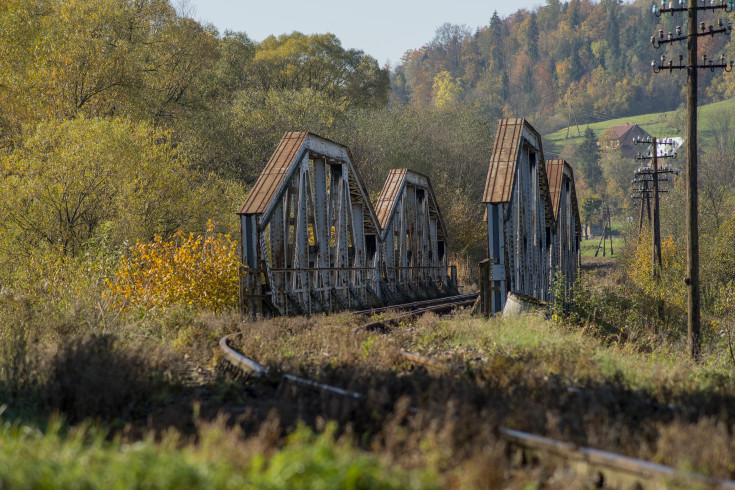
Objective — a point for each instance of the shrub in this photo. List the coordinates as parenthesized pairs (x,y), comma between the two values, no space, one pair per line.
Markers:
(317,461)
(198,271)
(670,285)
(70,177)
(83,458)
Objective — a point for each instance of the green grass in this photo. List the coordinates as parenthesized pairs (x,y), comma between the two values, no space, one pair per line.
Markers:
(588,247)
(82,458)
(661,124)
(578,354)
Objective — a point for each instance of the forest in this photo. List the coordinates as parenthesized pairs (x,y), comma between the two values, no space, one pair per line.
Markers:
(130,134)
(592,58)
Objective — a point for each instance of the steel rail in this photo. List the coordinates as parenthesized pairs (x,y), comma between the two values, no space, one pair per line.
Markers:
(611,469)
(238,360)
(258,370)
(416,304)
(445,306)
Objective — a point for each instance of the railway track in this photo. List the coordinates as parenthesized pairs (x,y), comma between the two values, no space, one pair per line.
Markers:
(419,305)
(412,310)
(602,468)
(253,368)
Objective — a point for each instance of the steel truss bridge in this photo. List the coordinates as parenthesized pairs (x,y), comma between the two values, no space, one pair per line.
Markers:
(313,242)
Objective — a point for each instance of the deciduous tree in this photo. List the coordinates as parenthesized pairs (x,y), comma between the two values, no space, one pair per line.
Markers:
(319,63)
(70,177)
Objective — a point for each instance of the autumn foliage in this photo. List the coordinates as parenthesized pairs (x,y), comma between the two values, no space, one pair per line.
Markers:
(670,285)
(198,271)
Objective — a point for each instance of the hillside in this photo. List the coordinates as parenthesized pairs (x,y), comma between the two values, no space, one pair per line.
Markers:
(659,124)
(592,56)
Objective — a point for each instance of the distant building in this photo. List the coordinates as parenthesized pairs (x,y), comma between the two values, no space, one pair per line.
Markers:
(622,137)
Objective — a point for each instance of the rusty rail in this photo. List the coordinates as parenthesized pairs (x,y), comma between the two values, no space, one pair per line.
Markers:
(610,469)
(436,306)
(416,304)
(258,370)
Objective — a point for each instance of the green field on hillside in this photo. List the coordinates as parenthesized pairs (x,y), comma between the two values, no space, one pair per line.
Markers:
(660,124)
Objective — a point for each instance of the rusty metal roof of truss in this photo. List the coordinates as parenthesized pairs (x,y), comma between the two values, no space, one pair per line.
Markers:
(387,196)
(500,175)
(274,173)
(292,147)
(555,172)
(385,205)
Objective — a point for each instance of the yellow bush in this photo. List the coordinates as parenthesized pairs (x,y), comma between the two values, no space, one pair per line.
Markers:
(199,271)
(670,285)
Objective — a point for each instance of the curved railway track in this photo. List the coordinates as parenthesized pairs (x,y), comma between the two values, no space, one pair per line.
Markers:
(253,368)
(603,468)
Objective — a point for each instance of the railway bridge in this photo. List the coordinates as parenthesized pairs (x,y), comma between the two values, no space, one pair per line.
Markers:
(313,242)
(533,223)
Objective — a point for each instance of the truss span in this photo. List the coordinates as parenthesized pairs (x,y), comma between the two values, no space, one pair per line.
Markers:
(532,217)
(312,242)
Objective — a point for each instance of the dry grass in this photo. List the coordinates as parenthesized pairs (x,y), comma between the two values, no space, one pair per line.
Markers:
(523,373)
(97,377)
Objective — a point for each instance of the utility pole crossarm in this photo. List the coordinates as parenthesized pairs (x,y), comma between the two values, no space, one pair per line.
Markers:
(668,8)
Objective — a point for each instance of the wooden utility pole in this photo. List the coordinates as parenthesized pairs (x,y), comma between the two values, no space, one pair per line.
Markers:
(692,279)
(643,176)
(644,201)
(606,232)
(609,227)
(656,222)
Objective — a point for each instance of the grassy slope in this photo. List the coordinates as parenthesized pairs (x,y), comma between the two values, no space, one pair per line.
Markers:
(662,124)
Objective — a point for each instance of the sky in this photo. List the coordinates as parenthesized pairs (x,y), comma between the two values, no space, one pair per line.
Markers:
(384,29)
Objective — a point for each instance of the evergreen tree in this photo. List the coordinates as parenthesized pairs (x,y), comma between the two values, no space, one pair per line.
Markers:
(573,13)
(612,34)
(496,29)
(589,158)
(532,38)
(589,208)
(496,42)
(551,68)
(527,80)
(577,70)
(589,146)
